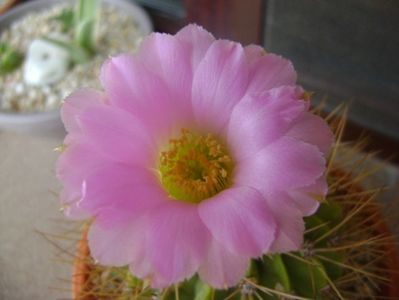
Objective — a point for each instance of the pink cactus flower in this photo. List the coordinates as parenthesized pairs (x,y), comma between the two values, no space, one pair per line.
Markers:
(199,155)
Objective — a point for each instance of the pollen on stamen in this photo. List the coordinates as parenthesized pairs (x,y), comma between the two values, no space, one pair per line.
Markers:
(195,167)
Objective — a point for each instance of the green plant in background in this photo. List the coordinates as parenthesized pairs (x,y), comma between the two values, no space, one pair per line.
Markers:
(66,19)
(82,22)
(10,59)
(85,22)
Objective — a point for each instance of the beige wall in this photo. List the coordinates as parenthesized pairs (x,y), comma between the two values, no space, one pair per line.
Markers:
(27,204)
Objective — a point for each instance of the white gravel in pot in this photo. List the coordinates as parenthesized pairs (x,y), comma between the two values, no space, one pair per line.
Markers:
(117,32)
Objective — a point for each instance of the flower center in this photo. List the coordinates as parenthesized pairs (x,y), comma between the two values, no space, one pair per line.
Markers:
(195,167)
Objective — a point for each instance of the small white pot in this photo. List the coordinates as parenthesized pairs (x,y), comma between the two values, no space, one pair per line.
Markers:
(49,123)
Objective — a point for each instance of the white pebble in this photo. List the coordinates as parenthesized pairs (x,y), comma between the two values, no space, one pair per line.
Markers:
(19,88)
(52,101)
(32,94)
(46,63)
(46,89)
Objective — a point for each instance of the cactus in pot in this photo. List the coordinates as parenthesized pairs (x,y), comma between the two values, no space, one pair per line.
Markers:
(204,174)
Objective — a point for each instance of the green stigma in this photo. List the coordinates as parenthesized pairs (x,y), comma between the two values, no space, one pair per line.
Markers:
(195,167)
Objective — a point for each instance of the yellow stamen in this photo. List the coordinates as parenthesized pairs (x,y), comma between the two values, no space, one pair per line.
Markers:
(195,167)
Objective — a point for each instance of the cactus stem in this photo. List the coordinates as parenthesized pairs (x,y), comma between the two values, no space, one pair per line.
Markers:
(332,285)
(374,240)
(308,249)
(360,193)
(338,133)
(301,259)
(336,111)
(345,254)
(269,291)
(232,295)
(177,297)
(315,228)
(246,289)
(349,217)
(355,269)
(258,296)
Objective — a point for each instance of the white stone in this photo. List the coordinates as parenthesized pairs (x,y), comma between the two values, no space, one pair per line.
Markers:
(52,101)
(19,88)
(46,89)
(46,63)
(32,94)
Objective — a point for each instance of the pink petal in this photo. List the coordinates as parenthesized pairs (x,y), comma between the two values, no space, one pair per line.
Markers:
(178,242)
(222,268)
(121,232)
(305,197)
(268,71)
(290,224)
(289,236)
(125,208)
(260,119)
(313,130)
(78,160)
(118,135)
(283,165)
(132,87)
(239,219)
(254,53)
(70,199)
(199,39)
(121,187)
(170,59)
(141,266)
(220,81)
(76,104)
(117,246)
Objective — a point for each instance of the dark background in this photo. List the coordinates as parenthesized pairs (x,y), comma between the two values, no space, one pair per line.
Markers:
(344,50)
